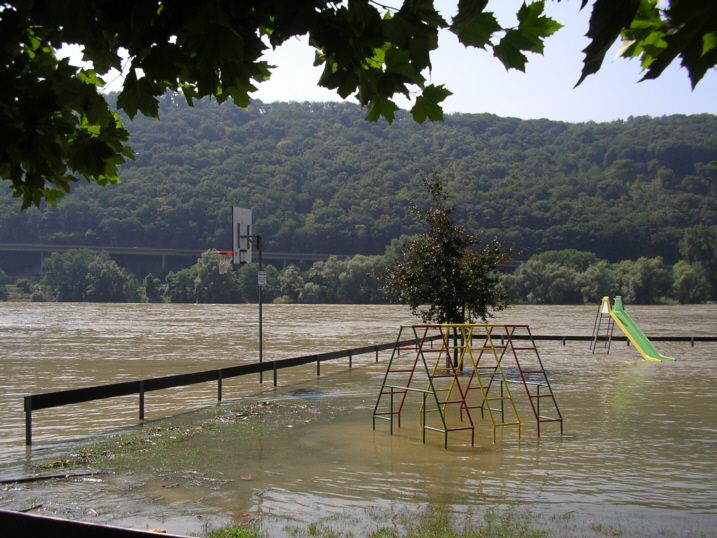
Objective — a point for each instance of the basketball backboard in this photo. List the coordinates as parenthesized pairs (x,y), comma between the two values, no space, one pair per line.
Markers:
(241,235)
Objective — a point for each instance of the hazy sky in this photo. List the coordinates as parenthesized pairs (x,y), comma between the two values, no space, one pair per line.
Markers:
(480,83)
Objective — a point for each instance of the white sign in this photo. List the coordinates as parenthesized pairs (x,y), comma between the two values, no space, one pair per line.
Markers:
(261,278)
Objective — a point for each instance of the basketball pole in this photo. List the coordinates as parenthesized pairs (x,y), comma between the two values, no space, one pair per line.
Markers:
(241,253)
(261,317)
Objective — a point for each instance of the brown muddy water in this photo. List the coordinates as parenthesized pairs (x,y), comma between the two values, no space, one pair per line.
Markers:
(638,457)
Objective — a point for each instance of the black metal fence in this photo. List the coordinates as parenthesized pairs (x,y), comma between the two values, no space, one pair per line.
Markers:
(59,398)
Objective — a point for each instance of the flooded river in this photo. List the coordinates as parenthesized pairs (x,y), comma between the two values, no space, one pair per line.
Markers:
(638,457)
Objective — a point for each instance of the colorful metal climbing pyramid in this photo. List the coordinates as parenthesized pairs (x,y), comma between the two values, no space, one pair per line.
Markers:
(458,368)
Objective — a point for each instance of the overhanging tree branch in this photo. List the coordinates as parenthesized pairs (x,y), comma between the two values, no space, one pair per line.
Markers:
(56,128)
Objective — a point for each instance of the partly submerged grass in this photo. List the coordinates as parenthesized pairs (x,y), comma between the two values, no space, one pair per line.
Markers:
(433,521)
(159,441)
(248,531)
(439,521)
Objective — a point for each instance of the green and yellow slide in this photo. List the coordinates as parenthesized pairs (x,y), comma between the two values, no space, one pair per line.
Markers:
(628,326)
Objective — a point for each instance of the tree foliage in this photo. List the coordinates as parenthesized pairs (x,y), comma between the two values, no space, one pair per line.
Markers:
(321,179)
(660,33)
(107,282)
(690,282)
(56,127)
(84,275)
(443,275)
(553,277)
(153,289)
(181,285)
(210,285)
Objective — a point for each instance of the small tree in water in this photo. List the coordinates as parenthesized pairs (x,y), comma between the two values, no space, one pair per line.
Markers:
(444,276)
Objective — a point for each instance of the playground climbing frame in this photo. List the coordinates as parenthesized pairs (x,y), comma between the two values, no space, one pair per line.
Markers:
(457,368)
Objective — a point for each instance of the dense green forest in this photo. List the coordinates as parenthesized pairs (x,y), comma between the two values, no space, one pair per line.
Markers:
(322,179)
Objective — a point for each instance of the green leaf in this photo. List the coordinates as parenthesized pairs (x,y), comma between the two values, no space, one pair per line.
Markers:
(190,92)
(508,50)
(379,57)
(89,76)
(534,26)
(399,63)
(425,11)
(380,106)
(138,95)
(472,25)
(340,79)
(685,25)
(240,96)
(607,21)
(427,104)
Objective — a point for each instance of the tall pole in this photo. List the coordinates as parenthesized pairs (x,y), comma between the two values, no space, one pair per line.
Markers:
(261,326)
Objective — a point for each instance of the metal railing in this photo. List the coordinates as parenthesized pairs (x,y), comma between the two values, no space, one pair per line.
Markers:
(59,398)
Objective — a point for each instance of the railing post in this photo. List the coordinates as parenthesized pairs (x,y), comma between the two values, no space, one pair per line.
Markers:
(141,400)
(423,417)
(350,360)
(318,367)
(376,348)
(391,414)
(274,369)
(28,420)
(219,385)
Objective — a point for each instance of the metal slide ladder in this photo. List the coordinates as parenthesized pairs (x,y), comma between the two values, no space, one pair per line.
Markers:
(603,322)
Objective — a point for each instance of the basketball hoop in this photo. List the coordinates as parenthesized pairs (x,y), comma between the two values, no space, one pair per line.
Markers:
(224,261)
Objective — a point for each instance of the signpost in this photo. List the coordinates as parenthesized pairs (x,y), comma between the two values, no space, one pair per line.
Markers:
(243,243)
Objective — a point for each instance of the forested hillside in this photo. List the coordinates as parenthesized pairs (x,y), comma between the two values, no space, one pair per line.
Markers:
(322,179)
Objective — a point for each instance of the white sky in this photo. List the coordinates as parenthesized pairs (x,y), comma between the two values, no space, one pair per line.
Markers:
(480,83)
